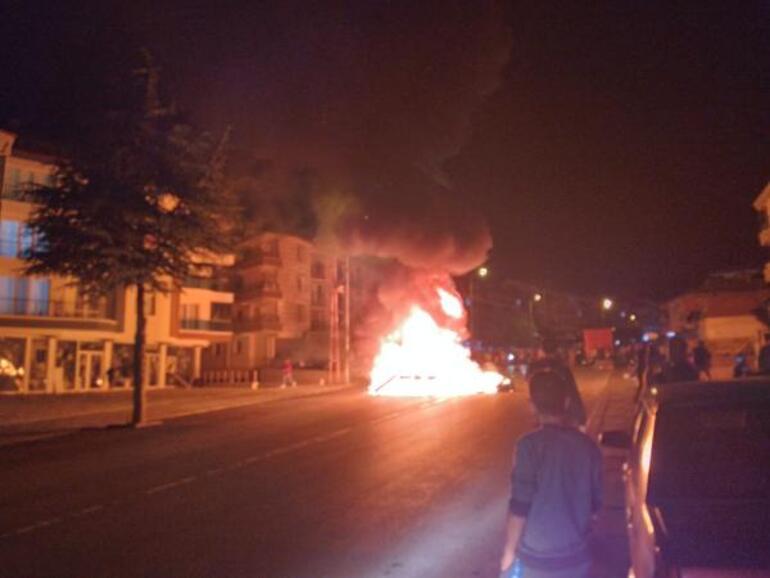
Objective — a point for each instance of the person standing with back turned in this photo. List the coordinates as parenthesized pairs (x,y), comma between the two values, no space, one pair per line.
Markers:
(556,488)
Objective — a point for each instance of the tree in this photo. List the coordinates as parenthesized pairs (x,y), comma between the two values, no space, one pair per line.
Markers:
(135,203)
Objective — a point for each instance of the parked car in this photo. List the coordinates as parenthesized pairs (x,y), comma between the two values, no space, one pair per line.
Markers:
(697,481)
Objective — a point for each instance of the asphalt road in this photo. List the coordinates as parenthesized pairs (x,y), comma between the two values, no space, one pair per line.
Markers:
(338,486)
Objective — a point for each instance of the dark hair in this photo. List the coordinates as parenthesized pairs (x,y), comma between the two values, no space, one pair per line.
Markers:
(549,392)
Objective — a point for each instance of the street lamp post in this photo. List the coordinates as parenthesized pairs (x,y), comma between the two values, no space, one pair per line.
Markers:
(536,298)
(482,273)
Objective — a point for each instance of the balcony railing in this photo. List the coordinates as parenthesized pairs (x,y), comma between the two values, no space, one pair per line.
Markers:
(264,290)
(223,325)
(15,193)
(210,283)
(259,257)
(259,323)
(52,308)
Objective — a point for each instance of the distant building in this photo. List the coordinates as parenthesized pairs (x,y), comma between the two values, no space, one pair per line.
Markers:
(289,301)
(282,304)
(762,206)
(726,312)
(55,339)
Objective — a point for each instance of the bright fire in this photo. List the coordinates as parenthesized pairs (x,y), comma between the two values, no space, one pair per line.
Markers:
(422,358)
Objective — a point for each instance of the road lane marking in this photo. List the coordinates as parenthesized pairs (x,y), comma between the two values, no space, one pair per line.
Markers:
(170,485)
(186,480)
(87,511)
(36,525)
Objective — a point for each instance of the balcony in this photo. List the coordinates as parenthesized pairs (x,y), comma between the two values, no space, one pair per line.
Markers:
(259,323)
(15,193)
(211,283)
(259,257)
(264,290)
(213,325)
(57,309)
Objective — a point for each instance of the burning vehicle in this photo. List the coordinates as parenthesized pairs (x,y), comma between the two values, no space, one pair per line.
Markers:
(424,355)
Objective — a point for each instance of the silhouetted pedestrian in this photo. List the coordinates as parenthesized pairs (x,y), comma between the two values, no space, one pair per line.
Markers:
(741,367)
(288,374)
(701,357)
(678,368)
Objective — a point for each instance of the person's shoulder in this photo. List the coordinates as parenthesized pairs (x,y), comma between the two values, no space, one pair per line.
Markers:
(529,437)
(581,439)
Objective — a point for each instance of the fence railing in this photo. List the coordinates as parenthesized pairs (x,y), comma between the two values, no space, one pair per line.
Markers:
(207,324)
(211,283)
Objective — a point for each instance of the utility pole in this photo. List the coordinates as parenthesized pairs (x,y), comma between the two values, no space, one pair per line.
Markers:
(334,326)
(347,321)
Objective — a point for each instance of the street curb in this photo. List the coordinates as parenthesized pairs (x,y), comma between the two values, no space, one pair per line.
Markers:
(32,437)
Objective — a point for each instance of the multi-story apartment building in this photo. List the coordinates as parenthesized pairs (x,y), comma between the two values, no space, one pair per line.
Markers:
(283,303)
(55,339)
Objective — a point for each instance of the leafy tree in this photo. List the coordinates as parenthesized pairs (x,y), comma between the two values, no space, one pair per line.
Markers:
(136,203)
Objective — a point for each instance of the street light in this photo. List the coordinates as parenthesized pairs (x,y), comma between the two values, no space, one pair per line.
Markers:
(607,303)
(632,317)
(483,272)
(537,297)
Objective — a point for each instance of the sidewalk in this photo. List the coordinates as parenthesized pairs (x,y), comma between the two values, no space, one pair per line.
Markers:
(610,542)
(30,417)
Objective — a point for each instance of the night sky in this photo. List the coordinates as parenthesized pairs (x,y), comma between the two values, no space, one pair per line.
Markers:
(612,149)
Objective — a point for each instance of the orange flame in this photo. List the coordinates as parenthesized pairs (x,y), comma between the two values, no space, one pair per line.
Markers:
(422,358)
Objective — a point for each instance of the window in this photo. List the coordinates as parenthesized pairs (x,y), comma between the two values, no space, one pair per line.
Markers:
(15,182)
(221,311)
(318,271)
(16,238)
(190,311)
(149,303)
(301,313)
(39,296)
(24,296)
(319,298)
(713,451)
(300,283)
(9,238)
(301,254)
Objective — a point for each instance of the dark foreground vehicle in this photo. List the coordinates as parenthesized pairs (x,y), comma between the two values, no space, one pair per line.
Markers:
(697,481)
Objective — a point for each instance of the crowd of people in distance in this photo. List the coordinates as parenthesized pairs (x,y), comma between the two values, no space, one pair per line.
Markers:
(653,367)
